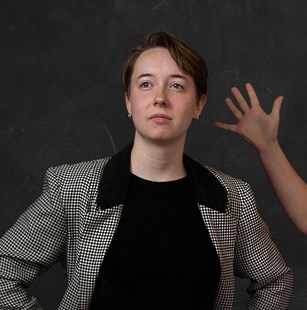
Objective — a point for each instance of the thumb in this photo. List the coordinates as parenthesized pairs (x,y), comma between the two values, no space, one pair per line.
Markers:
(277,106)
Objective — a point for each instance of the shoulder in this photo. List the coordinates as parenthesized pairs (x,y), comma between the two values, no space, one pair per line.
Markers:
(237,189)
(225,179)
(86,171)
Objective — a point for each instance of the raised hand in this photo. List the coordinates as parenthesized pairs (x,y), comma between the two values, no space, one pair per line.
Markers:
(254,125)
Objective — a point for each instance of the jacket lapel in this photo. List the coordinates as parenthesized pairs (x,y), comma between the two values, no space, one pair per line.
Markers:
(99,228)
(214,206)
(222,230)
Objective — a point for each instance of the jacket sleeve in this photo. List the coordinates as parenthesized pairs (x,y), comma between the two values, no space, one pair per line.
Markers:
(258,259)
(35,242)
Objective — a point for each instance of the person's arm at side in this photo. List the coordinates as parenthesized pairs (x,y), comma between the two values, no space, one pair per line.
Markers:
(260,130)
(258,259)
(35,242)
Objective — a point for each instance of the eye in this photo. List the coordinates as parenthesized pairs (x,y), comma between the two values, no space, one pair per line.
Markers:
(145,85)
(177,86)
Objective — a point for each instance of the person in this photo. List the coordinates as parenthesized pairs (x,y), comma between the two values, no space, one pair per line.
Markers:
(261,131)
(149,227)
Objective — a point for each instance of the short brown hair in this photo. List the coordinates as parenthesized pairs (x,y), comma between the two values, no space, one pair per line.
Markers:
(187,59)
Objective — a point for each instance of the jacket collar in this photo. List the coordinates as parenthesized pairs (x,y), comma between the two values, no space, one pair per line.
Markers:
(113,187)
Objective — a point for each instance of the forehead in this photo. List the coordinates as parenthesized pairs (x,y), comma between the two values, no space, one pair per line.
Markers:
(157,59)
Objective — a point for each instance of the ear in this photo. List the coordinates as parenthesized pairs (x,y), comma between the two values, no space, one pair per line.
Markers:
(200,105)
(128,103)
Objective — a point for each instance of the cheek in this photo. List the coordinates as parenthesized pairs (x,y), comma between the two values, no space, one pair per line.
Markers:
(139,102)
(187,107)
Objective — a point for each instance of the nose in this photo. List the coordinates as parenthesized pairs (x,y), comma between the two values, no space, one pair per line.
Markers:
(160,98)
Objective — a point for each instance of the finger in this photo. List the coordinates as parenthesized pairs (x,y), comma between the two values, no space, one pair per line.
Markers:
(240,99)
(232,107)
(228,127)
(277,106)
(252,94)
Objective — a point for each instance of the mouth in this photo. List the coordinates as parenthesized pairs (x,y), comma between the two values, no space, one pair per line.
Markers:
(160,116)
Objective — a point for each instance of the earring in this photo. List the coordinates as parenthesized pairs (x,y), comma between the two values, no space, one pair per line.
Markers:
(129,115)
(196,117)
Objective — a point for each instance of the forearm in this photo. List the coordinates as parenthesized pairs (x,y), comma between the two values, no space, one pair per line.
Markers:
(14,296)
(289,187)
(280,287)
(34,243)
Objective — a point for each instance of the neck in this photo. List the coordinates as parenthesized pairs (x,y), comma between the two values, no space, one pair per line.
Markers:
(157,161)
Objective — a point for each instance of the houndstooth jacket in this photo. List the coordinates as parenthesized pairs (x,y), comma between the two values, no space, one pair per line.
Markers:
(75,218)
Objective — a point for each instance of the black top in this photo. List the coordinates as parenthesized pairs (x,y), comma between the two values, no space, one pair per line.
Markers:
(161,256)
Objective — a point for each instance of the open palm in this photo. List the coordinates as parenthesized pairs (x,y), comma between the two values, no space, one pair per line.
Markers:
(254,125)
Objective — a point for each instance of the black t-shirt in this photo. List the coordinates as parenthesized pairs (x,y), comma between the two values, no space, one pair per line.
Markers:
(161,256)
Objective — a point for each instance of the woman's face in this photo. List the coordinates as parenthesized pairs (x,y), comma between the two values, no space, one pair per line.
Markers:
(163,99)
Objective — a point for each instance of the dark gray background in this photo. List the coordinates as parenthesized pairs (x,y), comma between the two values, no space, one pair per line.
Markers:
(61,98)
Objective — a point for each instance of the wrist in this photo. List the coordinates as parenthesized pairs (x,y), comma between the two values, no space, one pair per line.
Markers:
(269,149)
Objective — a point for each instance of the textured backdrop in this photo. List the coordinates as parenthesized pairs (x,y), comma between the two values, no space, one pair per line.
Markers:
(62,101)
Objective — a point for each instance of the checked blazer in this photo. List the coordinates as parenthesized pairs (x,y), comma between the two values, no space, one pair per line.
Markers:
(75,218)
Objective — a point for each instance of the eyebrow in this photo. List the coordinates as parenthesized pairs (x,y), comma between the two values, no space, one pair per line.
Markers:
(180,76)
(144,75)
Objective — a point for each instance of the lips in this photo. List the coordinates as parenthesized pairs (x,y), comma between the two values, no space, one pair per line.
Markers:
(160,116)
